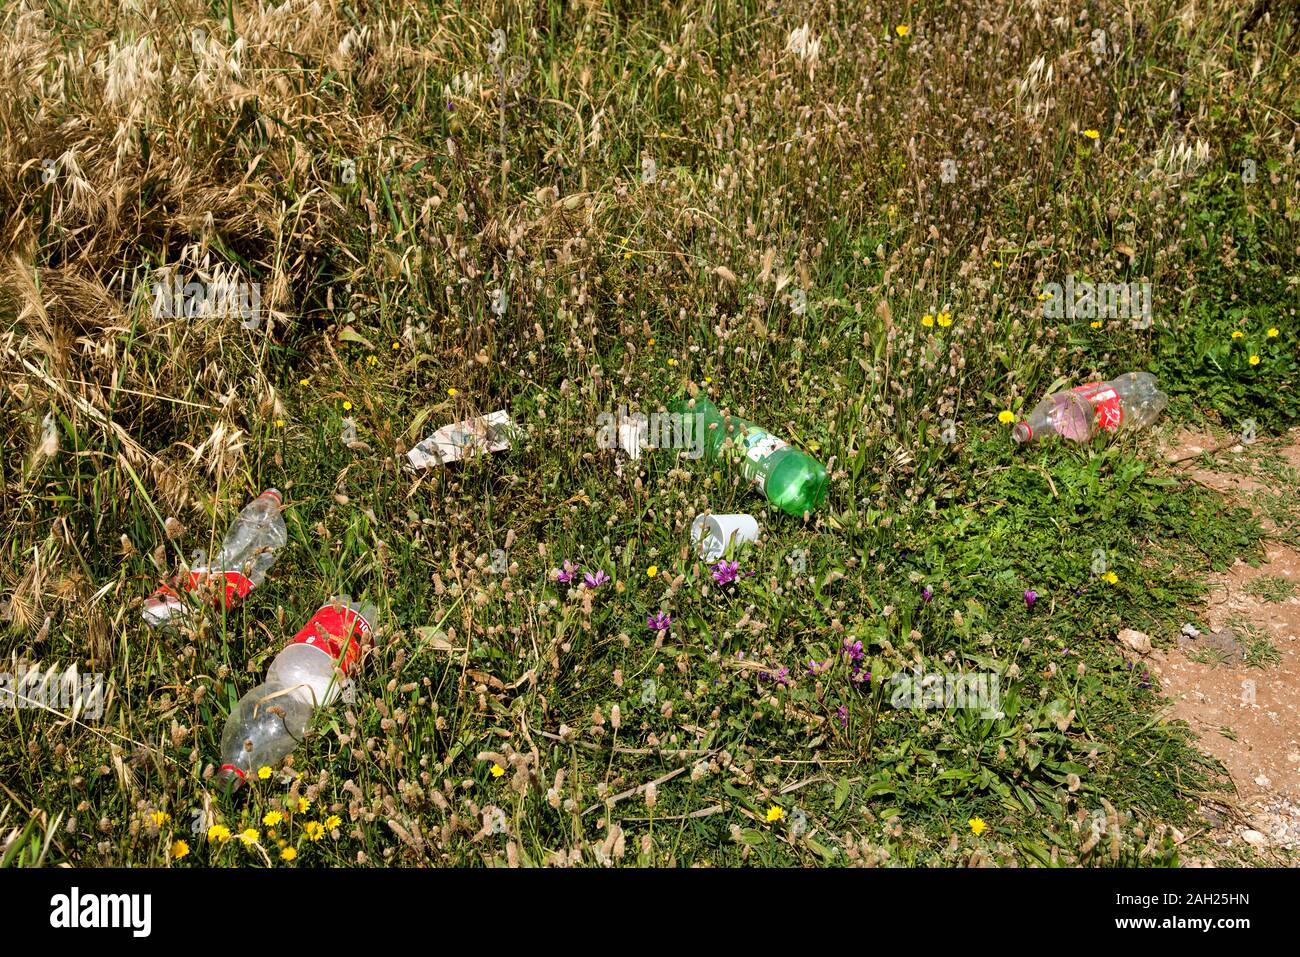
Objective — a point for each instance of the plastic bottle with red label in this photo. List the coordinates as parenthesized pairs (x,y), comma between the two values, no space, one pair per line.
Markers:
(1130,401)
(308,673)
(247,554)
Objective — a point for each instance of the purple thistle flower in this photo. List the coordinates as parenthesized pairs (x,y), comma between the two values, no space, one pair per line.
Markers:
(596,580)
(1031,596)
(659,622)
(565,574)
(724,572)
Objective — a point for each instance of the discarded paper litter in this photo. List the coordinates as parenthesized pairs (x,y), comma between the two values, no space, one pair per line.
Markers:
(460,440)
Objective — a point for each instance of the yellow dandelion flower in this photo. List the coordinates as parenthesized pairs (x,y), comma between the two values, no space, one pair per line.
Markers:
(315,830)
(159,818)
(944,319)
(1006,417)
(1092,134)
(977,825)
(627,254)
(288,854)
(708,380)
(452,393)
(902,29)
(672,362)
(272,818)
(650,341)
(997,264)
(1238,334)
(249,835)
(304,381)
(498,770)
(372,360)
(1110,578)
(264,772)
(1272,333)
(775,813)
(652,571)
(1254,360)
(927,320)
(179,849)
(303,805)
(279,423)
(396,346)
(1044,296)
(1095,324)
(218,833)
(347,406)
(332,822)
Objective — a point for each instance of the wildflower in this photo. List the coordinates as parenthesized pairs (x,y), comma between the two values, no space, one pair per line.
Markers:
(997,264)
(396,346)
(816,667)
(672,362)
(708,380)
(179,849)
(498,771)
(272,818)
(218,833)
(927,594)
(1031,596)
(724,572)
(853,649)
(652,571)
(843,713)
(303,805)
(264,772)
(288,854)
(1254,360)
(452,393)
(650,341)
(314,830)
(1006,417)
(279,423)
(1237,334)
(659,622)
(332,822)
(1044,296)
(775,813)
(596,580)
(977,825)
(860,679)
(902,29)
(249,835)
(159,818)
(944,319)
(927,320)
(304,382)
(1092,134)
(1110,578)
(565,574)
(372,360)
(1095,324)
(1272,333)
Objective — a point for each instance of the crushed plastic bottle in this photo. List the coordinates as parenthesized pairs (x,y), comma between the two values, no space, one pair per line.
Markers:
(247,554)
(1130,401)
(308,673)
(792,480)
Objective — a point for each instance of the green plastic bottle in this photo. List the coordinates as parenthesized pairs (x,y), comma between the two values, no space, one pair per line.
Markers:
(792,480)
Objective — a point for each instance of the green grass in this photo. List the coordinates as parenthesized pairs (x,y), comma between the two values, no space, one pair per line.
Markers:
(526,173)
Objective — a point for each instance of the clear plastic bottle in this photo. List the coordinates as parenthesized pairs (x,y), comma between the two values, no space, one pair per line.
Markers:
(308,673)
(250,548)
(1130,401)
(792,480)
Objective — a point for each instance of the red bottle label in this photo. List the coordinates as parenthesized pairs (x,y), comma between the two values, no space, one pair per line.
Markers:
(237,586)
(1106,405)
(336,630)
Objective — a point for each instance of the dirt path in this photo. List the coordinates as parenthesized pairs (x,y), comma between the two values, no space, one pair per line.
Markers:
(1237,683)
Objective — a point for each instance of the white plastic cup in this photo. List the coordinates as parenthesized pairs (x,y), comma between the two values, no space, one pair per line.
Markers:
(712,535)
